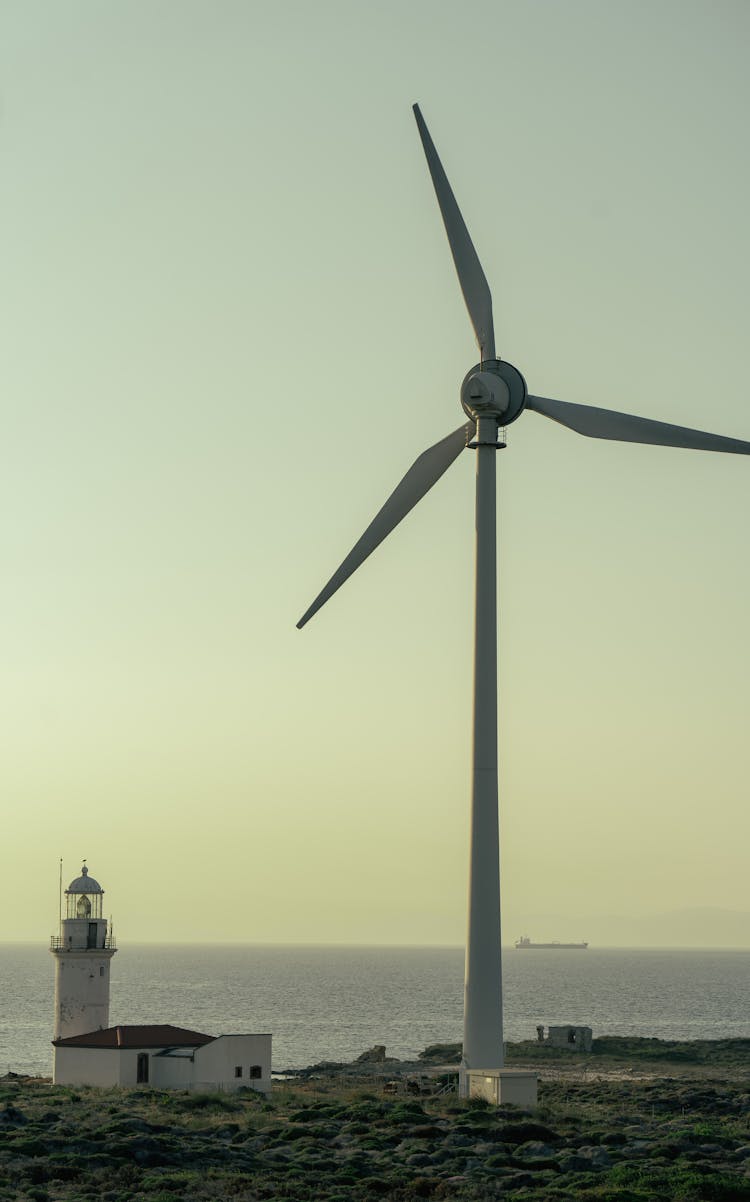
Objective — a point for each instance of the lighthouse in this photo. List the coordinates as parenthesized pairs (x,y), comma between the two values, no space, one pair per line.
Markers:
(87,1051)
(83,951)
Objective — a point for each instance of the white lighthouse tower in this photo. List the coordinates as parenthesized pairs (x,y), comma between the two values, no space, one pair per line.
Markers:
(83,951)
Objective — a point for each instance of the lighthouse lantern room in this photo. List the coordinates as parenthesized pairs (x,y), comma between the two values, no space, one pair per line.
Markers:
(83,951)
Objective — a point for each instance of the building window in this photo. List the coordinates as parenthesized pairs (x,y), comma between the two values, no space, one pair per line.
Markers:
(255,1071)
(141,1073)
(101,971)
(238,1070)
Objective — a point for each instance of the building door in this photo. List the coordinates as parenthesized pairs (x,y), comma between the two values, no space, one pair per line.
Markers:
(91,940)
(141,1073)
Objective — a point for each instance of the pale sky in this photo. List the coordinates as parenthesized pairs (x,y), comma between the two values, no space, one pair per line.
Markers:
(230,323)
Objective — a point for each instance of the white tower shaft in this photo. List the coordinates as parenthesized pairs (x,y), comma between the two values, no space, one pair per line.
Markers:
(81,991)
(483,1008)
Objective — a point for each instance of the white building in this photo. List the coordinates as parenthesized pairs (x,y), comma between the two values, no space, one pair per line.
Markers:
(165,1057)
(87,1051)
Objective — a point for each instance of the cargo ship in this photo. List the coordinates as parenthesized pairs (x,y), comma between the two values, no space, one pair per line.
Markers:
(525,943)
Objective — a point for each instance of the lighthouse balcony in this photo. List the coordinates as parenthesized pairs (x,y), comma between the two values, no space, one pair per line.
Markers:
(59,943)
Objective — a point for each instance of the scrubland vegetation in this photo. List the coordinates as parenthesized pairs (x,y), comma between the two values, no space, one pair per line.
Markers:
(617,1137)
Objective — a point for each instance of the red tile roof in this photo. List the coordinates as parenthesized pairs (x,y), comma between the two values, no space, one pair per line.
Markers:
(153,1036)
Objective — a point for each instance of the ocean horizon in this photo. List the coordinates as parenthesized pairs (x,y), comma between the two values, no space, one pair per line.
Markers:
(332,1001)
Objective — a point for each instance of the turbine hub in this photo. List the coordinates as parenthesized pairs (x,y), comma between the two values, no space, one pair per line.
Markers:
(494,389)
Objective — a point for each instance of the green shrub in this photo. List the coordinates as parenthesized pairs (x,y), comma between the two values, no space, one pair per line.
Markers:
(407,1112)
(366,1111)
(442,1053)
(206,1101)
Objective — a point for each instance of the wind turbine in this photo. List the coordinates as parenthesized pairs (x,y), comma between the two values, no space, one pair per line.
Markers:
(493,394)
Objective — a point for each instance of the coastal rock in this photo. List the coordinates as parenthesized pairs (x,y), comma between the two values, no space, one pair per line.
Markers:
(11,1116)
(226,1131)
(596,1156)
(518,1180)
(638,1147)
(483,1148)
(418,1160)
(614,1139)
(669,1149)
(131,1126)
(694,1155)
(457,1139)
(535,1150)
(571,1162)
(441,1156)
(425,1131)
(150,1153)
(374,1055)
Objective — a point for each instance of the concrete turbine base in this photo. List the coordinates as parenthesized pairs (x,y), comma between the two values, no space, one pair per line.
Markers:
(500,1086)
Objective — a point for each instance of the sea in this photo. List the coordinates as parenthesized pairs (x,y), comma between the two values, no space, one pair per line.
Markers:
(334,1002)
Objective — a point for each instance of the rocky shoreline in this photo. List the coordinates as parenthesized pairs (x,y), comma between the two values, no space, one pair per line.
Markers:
(611,1056)
(669,1124)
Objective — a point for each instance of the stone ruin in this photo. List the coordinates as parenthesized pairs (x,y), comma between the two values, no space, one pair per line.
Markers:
(575,1038)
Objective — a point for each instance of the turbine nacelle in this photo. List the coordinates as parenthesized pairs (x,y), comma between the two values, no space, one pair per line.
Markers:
(494,389)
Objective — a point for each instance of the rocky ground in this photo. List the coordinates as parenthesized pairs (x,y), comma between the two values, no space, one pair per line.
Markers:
(627,1130)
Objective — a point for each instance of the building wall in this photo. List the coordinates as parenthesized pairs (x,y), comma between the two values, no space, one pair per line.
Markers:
(576,1038)
(129,1065)
(75,933)
(211,1068)
(215,1063)
(172,1072)
(86,1066)
(81,992)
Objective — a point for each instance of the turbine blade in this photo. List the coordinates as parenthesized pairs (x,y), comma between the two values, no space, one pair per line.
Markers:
(423,473)
(625,427)
(470,275)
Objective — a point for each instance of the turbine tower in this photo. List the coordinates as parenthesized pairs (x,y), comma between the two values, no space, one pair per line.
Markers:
(493,394)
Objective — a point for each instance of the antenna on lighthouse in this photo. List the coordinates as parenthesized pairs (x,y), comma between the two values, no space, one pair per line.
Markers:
(59,903)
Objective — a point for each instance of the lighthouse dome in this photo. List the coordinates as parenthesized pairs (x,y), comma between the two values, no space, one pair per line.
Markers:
(84,883)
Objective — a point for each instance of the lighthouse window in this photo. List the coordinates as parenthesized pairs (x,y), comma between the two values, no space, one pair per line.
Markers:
(238,1070)
(256,1071)
(101,971)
